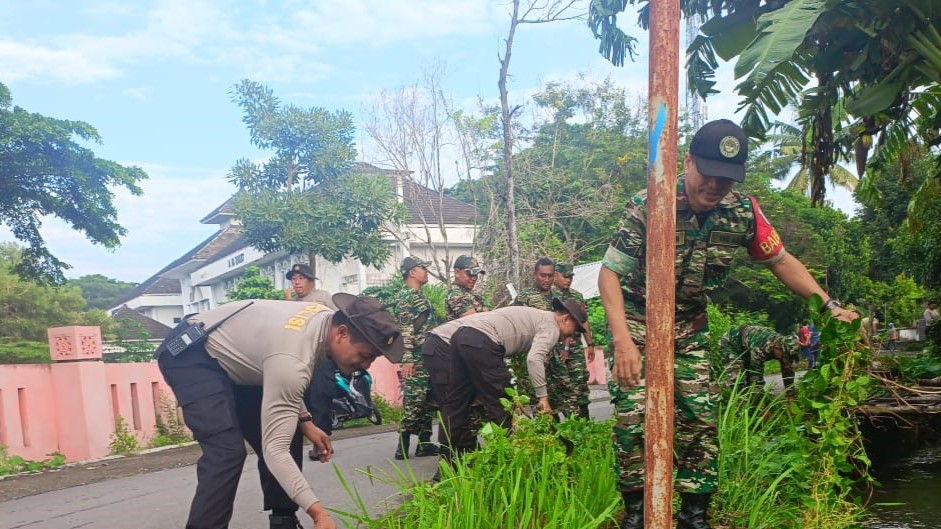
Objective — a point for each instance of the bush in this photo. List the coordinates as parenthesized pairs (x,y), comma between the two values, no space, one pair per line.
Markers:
(123,440)
(12,464)
(170,430)
(24,352)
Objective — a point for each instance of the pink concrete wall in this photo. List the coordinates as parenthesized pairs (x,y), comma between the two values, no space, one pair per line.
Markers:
(385,380)
(28,420)
(135,391)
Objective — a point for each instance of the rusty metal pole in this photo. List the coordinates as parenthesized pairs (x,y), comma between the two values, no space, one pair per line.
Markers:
(661,265)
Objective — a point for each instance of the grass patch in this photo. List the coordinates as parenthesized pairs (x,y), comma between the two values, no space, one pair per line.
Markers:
(13,464)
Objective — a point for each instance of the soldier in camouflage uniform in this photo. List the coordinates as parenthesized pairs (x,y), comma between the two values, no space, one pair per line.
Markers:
(712,222)
(745,350)
(567,373)
(462,300)
(415,316)
(538,297)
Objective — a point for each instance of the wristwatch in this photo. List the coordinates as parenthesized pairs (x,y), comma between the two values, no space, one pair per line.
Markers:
(305,418)
(830,304)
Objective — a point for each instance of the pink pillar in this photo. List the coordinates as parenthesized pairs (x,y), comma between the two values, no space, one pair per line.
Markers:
(84,412)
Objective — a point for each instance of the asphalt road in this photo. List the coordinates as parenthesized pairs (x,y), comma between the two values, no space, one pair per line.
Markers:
(160,499)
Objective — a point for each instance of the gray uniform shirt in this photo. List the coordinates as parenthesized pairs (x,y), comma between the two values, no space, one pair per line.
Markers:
(519,330)
(275,345)
(316,296)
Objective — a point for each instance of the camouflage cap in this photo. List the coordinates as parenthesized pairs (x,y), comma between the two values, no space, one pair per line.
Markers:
(720,149)
(371,318)
(466,262)
(566,269)
(411,262)
(574,309)
(302,269)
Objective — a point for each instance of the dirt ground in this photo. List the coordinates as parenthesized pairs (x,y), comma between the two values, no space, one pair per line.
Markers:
(73,475)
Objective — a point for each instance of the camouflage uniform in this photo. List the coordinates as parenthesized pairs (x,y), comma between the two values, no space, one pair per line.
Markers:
(704,251)
(415,317)
(461,300)
(567,379)
(531,297)
(745,350)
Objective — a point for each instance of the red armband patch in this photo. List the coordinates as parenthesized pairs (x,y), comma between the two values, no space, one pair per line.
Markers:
(767,243)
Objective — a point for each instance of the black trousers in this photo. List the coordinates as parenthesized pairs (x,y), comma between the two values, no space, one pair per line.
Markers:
(436,356)
(222,416)
(477,370)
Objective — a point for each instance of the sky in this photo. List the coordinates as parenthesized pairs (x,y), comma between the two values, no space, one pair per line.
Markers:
(155,78)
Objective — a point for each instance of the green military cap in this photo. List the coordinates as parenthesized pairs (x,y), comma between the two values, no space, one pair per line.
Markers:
(411,262)
(566,269)
(466,262)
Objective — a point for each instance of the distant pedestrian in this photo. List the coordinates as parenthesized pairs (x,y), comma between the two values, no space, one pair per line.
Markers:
(893,335)
(931,313)
(814,350)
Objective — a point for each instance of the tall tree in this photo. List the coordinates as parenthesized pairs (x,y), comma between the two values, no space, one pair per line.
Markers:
(307,198)
(99,291)
(416,129)
(881,58)
(533,12)
(45,170)
(28,308)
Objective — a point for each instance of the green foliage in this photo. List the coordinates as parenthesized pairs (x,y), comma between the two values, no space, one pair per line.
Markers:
(47,170)
(390,413)
(132,338)
(170,429)
(28,308)
(542,475)
(909,369)
(252,285)
(307,198)
(598,322)
(123,440)
(386,292)
(13,464)
(828,397)
(101,292)
(24,352)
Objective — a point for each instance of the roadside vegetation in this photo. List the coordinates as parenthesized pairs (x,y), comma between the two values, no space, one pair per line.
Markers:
(14,464)
(786,463)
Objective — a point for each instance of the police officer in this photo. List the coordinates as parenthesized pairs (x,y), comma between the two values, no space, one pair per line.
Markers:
(568,369)
(302,286)
(539,296)
(475,348)
(712,221)
(415,316)
(745,350)
(275,345)
(461,299)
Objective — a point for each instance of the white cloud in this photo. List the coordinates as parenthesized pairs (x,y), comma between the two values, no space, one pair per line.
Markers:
(161,225)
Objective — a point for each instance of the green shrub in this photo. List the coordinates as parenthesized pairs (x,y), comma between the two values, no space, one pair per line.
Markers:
(542,475)
(170,430)
(24,352)
(13,464)
(123,440)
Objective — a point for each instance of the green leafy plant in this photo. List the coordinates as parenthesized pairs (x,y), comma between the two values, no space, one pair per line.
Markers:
(253,285)
(541,474)
(170,429)
(390,413)
(123,440)
(24,352)
(13,464)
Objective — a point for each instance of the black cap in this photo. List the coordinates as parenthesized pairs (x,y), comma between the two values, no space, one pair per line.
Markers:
(371,318)
(301,268)
(466,262)
(575,309)
(720,149)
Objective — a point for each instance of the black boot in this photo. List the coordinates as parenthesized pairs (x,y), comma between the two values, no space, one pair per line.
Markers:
(693,511)
(633,510)
(583,411)
(284,521)
(401,448)
(425,447)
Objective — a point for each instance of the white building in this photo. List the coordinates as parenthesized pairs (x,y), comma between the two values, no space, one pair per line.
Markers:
(198,280)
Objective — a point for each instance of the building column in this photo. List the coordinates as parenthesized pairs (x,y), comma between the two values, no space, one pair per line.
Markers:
(85,418)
